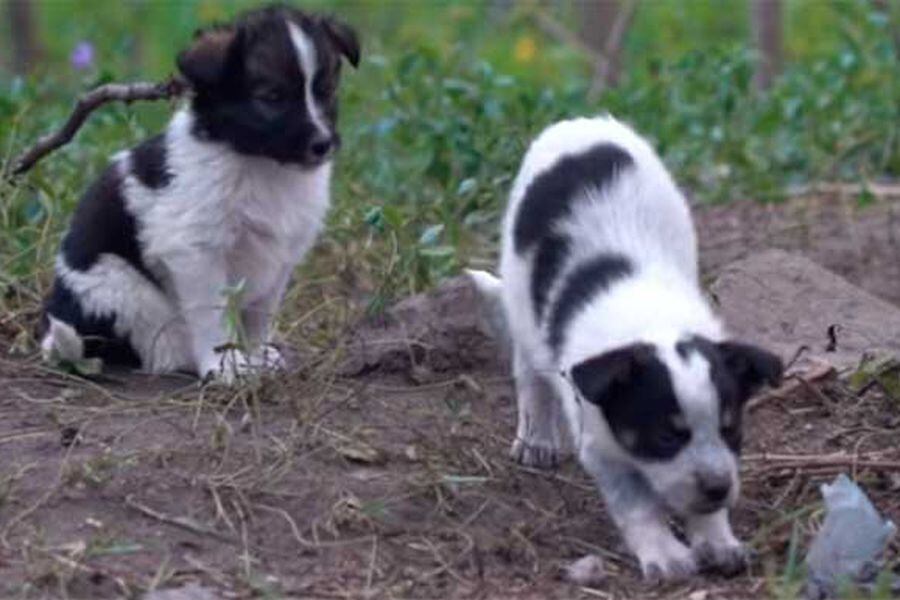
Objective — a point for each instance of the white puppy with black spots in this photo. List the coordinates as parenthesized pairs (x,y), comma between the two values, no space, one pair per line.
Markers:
(612,334)
(234,190)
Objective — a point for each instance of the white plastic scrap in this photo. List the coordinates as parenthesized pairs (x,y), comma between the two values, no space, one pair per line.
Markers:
(851,542)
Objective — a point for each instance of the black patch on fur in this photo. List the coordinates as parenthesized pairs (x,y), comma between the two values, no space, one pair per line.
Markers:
(550,196)
(632,387)
(737,372)
(250,89)
(102,225)
(581,285)
(149,165)
(98,333)
(548,261)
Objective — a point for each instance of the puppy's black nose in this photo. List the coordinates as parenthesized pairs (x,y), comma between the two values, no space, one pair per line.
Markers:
(321,146)
(714,489)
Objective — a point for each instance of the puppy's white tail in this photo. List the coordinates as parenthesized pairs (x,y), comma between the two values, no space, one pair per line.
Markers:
(62,343)
(487,285)
(490,288)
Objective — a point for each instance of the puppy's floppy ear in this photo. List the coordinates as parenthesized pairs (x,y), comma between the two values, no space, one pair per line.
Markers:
(597,376)
(205,62)
(343,38)
(751,366)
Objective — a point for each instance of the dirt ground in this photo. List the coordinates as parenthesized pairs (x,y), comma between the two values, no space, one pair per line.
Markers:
(381,469)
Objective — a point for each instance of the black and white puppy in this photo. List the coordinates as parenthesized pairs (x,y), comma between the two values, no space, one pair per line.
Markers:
(612,334)
(235,190)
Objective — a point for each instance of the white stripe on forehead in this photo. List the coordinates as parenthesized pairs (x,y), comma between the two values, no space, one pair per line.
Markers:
(693,386)
(308,59)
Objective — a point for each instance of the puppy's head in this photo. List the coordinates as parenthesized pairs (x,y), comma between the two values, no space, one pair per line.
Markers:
(266,84)
(674,413)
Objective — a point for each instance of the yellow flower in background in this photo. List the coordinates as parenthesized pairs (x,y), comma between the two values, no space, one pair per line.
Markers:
(525,49)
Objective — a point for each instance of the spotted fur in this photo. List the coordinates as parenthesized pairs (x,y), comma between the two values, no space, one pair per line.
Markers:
(234,190)
(610,330)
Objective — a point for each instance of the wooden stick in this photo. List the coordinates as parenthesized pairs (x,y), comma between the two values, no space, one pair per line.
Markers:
(88,103)
(613,48)
(799,461)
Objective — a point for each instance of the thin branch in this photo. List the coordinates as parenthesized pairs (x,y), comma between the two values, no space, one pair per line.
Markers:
(555,29)
(613,48)
(88,103)
(801,461)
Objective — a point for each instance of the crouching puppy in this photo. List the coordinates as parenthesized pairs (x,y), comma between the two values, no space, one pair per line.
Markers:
(230,196)
(611,333)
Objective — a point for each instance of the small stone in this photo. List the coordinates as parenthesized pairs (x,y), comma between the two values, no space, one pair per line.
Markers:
(588,571)
(191,591)
(698,595)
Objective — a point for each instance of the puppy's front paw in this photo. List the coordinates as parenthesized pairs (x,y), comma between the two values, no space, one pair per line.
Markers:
(727,559)
(228,367)
(542,455)
(269,357)
(671,562)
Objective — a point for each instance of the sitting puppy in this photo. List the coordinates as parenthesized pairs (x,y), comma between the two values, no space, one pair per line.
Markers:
(611,332)
(235,190)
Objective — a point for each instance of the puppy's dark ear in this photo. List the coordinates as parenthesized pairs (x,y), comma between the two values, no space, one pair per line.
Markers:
(598,376)
(751,366)
(204,63)
(343,38)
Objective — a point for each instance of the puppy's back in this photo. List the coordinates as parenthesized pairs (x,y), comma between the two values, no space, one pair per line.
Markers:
(592,203)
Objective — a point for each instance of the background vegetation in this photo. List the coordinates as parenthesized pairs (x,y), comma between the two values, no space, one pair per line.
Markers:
(445,101)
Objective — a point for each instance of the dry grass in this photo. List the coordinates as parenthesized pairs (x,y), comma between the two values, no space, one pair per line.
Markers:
(311,484)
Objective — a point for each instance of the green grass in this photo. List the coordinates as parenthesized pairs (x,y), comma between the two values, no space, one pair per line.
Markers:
(437,117)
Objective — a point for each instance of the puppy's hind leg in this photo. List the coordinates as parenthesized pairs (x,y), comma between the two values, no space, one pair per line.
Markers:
(538,440)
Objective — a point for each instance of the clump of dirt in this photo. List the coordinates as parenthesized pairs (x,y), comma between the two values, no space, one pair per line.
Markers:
(440,331)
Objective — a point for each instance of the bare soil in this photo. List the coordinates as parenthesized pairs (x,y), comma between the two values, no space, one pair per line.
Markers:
(380,470)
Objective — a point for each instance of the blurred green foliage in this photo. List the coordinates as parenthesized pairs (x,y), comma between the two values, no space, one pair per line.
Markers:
(449,93)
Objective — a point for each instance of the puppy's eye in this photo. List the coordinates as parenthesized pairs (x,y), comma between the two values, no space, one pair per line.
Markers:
(673,436)
(269,95)
(324,84)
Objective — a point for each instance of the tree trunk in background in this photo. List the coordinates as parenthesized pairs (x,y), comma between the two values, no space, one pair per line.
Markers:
(884,6)
(598,17)
(765,22)
(26,50)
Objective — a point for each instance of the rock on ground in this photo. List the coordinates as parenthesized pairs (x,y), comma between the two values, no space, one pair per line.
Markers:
(191,591)
(783,301)
(588,571)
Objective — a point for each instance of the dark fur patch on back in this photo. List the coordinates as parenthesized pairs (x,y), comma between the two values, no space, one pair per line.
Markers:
(100,339)
(582,284)
(548,262)
(149,164)
(632,387)
(550,196)
(102,225)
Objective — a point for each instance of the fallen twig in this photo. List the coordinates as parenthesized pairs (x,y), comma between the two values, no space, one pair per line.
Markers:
(801,461)
(88,103)
(183,522)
